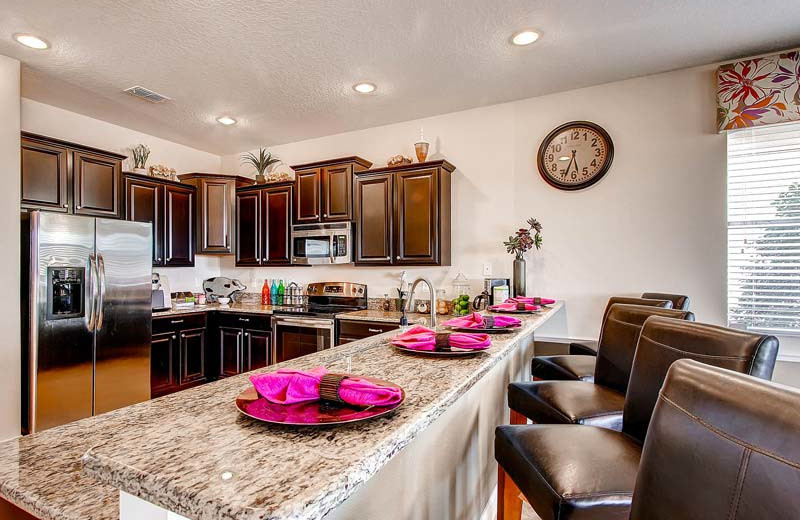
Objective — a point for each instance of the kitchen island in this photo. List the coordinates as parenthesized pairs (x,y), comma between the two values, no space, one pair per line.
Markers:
(193,454)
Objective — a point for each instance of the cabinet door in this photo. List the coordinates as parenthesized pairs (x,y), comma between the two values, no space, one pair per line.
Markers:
(374,219)
(45,178)
(306,199)
(97,181)
(230,351)
(416,217)
(163,364)
(258,344)
(178,226)
(144,203)
(337,193)
(193,357)
(215,216)
(248,228)
(277,223)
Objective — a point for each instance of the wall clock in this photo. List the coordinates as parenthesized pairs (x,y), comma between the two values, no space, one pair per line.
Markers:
(575,155)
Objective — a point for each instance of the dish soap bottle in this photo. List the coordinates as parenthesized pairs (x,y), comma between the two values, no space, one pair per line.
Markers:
(265,293)
(273,293)
(281,291)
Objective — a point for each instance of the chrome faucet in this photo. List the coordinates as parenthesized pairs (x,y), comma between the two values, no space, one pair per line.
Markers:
(410,301)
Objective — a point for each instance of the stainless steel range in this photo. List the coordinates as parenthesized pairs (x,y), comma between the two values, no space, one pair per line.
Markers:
(309,328)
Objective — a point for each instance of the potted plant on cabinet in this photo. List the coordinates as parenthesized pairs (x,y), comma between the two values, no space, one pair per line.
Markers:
(140,154)
(518,244)
(260,162)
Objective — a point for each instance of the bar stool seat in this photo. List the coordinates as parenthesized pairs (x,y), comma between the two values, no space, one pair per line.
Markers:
(563,368)
(559,402)
(570,472)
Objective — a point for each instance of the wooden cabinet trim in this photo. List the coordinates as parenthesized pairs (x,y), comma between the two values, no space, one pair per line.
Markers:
(359,162)
(387,251)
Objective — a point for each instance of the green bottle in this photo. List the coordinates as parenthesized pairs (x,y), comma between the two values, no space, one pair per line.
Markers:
(281,290)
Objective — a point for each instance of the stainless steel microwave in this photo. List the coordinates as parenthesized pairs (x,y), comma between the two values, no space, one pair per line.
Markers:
(315,244)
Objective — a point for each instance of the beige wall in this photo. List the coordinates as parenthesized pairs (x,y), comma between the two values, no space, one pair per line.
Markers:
(9,244)
(56,122)
(656,222)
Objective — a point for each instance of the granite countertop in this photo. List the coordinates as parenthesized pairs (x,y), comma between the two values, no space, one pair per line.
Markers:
(387,316)
(248,308)
(173,450)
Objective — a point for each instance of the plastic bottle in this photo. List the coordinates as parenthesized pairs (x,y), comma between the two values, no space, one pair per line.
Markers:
(281,291)
(273,293)
(265,300)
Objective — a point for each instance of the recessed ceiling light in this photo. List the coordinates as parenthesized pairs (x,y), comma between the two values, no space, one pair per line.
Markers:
(29,40)
(227,121)
(364,88)
(525,38)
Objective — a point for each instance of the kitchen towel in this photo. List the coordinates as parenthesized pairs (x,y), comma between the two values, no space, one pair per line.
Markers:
(421,338)
(287,386)
(479,321)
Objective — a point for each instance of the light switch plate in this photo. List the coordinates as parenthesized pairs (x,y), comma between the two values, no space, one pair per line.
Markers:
(487,269)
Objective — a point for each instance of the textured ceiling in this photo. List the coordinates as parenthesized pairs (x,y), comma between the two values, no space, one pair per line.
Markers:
(284,68)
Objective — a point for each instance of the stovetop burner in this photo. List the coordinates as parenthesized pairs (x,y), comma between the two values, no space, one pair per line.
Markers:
(327,299)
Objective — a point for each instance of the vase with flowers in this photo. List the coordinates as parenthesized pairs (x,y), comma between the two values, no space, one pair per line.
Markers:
(518,244)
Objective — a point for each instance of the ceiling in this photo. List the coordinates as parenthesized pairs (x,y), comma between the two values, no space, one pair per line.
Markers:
(285,68)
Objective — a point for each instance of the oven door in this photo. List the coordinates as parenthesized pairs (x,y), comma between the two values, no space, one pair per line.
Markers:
(293,337)
(312,249)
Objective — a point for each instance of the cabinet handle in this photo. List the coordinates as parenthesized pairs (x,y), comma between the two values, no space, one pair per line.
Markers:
(324,214)
(65,205)
(158,259)
(397,257)
(78,207)
(246,334)
(174,336)
(176,321)
(374,330)
(244,319)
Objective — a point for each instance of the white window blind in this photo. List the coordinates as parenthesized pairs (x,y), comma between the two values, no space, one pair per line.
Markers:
(764,229)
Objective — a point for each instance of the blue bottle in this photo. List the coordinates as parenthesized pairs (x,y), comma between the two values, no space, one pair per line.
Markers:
(273,293)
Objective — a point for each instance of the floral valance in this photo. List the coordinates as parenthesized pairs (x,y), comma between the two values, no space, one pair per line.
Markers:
(760,91)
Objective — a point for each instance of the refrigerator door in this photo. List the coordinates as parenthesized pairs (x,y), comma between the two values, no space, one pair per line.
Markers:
(62,295)
(123,324)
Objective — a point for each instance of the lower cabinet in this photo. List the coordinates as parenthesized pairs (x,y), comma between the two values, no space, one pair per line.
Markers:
(245,343)
(164,365)
(352,330)
(178,354)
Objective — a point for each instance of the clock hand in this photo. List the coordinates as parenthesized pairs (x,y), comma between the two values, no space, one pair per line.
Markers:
(575,159)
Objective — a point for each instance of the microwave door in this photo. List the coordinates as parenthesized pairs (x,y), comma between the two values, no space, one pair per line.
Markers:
(312,249)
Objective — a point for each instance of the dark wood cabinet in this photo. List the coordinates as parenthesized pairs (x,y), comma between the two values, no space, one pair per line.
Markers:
(323,190)
(258,346)
(70,178)
(179,226)
(402,215)
(178,355)
(168,206)
(245,343)
(215,210)
(353,330)
(263,223)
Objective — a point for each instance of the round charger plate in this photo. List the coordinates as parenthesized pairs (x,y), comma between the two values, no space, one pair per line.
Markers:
(456,352)
(512,312)
(492,330)
(315,413)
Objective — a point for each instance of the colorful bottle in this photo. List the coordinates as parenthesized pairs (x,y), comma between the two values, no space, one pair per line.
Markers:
(265,300)
(281,291)
(273,293)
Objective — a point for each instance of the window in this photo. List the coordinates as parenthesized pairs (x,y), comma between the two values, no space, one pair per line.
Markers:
(764,229)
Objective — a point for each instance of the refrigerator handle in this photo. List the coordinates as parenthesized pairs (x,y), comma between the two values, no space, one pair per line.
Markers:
(101,270)
(91,296)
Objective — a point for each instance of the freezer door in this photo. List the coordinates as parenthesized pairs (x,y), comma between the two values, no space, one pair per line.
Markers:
(124,314)
(60,343)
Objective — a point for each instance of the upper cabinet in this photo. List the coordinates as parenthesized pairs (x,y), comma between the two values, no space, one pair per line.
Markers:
(323,190)
(402,215)
(70,178)
(263,223)
(216,210)
(169,206)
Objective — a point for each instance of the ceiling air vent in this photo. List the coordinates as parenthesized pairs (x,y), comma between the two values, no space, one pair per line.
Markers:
(146,94)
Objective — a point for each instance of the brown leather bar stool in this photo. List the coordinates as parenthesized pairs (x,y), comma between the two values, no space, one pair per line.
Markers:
(571,471)
(569,367)
(598,403)
(743,460)
(578,367)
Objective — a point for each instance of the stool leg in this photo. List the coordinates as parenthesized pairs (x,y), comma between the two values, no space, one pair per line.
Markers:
(509,503)
(518,418)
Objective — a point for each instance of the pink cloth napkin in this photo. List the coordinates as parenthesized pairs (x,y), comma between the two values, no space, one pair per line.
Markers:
(421,338)
(532,300)
(288,386)
(478,321)
(510,305)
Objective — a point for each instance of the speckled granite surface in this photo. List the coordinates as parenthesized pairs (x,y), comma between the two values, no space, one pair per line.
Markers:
(183,443)
(173,450)
(248,308)
(387,316)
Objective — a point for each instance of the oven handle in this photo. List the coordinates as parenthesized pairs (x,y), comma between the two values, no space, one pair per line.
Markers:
(317,324)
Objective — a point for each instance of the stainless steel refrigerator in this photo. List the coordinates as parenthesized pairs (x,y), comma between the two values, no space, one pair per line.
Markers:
(87,318)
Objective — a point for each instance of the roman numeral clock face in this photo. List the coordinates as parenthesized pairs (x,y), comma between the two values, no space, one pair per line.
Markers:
(575,155)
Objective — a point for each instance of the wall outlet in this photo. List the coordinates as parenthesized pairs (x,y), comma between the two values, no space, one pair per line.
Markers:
(487,270)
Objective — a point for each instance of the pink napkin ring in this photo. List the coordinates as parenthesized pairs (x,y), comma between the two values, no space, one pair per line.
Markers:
(442,342)
(488,322)
(521,306)
(329,387)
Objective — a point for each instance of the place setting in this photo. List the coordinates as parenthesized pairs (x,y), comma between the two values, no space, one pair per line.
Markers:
(521,305)
(421,340)
(477,322)
(317,397)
